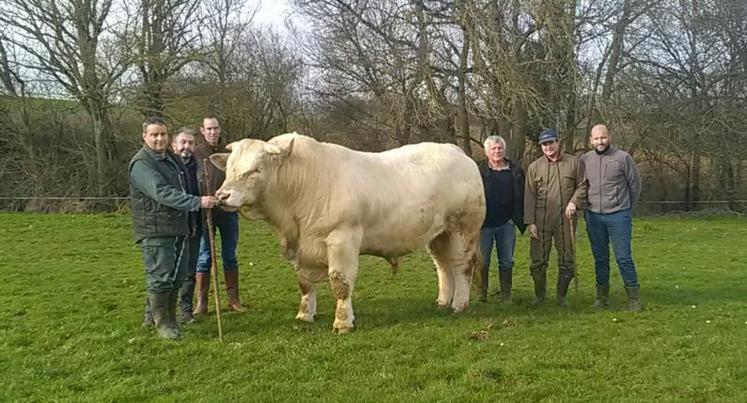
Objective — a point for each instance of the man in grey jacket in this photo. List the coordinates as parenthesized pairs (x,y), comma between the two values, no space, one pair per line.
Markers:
(614,188)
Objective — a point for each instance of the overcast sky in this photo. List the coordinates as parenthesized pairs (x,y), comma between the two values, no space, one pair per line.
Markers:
(272,12)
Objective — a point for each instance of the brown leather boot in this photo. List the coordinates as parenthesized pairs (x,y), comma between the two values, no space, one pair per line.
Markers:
(232,289)
(202,285)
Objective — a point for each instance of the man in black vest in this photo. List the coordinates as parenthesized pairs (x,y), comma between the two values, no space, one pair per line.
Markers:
(160,204)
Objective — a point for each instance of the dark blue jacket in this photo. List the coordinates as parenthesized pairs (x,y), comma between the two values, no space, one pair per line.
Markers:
(518,175)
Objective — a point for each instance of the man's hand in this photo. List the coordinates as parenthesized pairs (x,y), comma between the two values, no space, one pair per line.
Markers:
(570,211)
(208,201)
(532,228)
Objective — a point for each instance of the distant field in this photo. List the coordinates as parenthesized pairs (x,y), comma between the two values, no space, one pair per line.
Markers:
(70,311)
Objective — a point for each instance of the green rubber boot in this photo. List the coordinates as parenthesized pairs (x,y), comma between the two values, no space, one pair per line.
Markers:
(159,305)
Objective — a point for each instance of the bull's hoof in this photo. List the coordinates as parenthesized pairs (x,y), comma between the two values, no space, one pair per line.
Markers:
(442,304)
(343,330)
(459,308)
(305,317)
(343,327)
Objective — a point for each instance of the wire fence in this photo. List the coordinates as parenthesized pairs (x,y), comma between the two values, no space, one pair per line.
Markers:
(120,204)
(65,204)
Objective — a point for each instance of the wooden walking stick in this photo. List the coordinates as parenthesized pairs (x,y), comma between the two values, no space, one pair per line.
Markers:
(572,223)
(211,237)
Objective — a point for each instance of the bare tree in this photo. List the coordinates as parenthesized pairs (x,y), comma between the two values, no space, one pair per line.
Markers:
(165,40)
(65,40)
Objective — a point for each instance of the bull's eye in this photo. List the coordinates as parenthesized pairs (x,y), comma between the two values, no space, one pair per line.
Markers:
(249,173)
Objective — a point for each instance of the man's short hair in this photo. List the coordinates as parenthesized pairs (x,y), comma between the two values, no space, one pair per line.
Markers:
(209,117)
(153,120)
(185,130)
(493,140)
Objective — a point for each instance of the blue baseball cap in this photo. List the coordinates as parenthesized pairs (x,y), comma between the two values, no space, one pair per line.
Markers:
(547,135)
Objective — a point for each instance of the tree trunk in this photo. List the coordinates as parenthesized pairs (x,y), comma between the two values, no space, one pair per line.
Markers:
(462,114)
(519,131)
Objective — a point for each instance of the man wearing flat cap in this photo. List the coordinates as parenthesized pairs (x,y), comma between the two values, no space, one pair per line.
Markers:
(555,188)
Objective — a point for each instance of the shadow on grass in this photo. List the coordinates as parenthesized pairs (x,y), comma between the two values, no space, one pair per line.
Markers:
(376,312)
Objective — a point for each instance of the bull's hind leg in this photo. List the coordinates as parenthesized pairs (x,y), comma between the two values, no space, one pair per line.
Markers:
(307,306)
(454,261)
(439,251)
(343,247)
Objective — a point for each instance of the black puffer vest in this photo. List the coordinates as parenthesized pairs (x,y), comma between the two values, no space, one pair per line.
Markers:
(150,218)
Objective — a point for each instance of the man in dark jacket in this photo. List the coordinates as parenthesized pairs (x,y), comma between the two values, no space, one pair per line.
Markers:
(614,188)
(504,199)
(184,146)
(160,204)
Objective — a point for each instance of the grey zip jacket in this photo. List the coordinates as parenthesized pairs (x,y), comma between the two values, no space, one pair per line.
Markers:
(614,181)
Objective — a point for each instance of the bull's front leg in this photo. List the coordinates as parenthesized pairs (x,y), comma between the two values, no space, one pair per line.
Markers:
(307,306)
(343,247)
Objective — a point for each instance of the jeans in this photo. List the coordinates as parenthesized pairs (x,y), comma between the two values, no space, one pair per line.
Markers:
(618,228)
(504,238)
(228,226)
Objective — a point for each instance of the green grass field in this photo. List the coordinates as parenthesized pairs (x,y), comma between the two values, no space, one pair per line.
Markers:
(70,312)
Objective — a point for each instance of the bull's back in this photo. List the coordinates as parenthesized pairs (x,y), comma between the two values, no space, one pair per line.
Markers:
(413,193)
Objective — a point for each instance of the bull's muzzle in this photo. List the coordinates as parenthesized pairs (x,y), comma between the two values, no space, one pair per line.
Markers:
(222,195)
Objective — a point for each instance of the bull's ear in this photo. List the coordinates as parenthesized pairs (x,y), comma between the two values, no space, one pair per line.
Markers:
(275,149)
(219,160)
(272,148)
(229,147)
(289,149)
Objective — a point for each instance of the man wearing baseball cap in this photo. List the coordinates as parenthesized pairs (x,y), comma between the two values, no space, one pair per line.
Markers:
(555,188)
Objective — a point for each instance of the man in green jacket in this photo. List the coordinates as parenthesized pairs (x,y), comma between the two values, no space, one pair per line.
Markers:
(160,204)
(555,188)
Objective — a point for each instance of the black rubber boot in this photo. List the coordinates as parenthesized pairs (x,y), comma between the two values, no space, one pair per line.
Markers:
(634,302)
(564,280)
(186,294)
(485,279)
(603,297)
(505,277)
(540,288)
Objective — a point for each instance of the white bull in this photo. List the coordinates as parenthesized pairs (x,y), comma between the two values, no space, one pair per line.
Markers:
(330,204)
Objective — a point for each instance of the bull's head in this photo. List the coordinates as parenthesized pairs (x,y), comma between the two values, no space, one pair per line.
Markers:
(250,166)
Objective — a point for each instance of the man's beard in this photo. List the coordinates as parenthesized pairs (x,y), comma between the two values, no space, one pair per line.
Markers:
(186,156)
(604,150)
